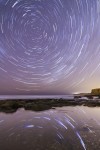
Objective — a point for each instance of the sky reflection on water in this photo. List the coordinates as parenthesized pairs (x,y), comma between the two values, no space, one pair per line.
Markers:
(66,128)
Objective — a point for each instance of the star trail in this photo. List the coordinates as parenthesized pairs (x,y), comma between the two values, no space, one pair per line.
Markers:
(49,46)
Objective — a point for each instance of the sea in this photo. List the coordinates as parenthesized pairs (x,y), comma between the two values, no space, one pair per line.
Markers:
(4,97)
(64,128)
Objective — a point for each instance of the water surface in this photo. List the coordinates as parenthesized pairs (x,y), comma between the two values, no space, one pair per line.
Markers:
(66,128)
(3,97)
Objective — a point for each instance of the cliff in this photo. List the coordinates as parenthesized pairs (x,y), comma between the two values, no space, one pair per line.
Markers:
(95,91)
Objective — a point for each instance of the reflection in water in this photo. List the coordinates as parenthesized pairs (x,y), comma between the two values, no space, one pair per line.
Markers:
(67,128)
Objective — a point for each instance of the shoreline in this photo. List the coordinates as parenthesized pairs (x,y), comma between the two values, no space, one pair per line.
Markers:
(11,106)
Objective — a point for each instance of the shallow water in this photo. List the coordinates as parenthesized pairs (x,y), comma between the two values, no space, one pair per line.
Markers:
(65,128)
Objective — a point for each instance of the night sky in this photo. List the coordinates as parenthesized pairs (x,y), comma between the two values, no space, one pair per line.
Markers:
(49,46)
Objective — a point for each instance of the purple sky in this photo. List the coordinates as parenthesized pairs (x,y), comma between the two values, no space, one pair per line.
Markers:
(49,46)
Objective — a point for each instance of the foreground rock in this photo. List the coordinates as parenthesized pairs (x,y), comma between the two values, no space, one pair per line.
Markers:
(10,106)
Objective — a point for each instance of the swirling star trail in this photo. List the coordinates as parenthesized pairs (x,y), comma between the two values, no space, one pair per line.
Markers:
(49,46)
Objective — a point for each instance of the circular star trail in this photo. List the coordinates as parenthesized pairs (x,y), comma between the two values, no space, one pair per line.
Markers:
(47,44)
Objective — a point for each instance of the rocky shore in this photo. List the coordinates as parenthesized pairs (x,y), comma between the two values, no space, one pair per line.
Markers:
(10,106)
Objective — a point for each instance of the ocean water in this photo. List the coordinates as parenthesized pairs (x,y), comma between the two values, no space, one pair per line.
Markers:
(3,97)
(65,128)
